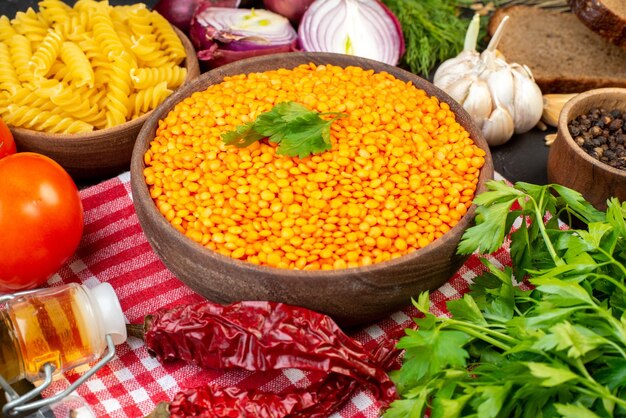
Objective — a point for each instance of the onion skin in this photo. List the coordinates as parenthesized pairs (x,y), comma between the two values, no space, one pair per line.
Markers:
(180,12)
(215,57)
(291,9)
(222,44)
(398,26)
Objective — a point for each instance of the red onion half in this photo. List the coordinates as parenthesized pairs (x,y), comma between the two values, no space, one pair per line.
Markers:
(291,9)
(180,12)
(223,35)
(365,28)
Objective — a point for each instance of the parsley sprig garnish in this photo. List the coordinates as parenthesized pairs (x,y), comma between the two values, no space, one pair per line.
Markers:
(298,131)
(555,350)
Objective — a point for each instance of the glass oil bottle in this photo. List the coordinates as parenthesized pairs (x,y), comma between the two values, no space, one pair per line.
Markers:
(57,329)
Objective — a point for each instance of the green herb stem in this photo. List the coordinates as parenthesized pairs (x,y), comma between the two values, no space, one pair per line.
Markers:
(596,389)
(581,367)
(615,324)
(485,334)
(617,264)
(617,348)
(542,228)
(610,279)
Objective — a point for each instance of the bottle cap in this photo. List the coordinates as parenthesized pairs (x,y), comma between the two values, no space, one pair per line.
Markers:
(106,302)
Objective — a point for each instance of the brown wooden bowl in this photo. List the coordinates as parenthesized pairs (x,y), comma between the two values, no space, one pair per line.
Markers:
(351,296)
(101,153)
(570,166)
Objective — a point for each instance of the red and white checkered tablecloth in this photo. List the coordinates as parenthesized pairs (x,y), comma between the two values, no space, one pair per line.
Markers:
(115,250)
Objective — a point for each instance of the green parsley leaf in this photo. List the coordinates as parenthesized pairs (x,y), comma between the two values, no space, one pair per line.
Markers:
(448,407)
(409,408)
(466,309)
(578,340)
(298,131)
(243,136)
(613,375)
(429,350)
(491,399)
(491,219)
(576,204)
(550,375)
(574,411)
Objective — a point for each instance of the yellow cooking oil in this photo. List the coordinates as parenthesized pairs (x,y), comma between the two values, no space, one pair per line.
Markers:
(10,358)
(55,326)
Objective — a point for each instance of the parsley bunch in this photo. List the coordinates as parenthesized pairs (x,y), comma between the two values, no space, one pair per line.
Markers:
(556,350)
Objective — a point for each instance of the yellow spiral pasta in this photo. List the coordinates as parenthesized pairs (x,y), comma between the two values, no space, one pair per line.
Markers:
(125,35)
(168,38)
(96,57)
(118,94)
(43,120)
(126,12)
(89,66)
(75,27)
(46,54)
(8,76)
(145,45)
(31,25)
(105,35)
(144,78)
(149,98)
(75,102)
(29,95)
(60,72)
(6,29)
(21,53)
(79,65)
(54,11)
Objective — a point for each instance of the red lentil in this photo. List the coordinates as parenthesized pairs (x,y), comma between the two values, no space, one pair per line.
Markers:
(402,171)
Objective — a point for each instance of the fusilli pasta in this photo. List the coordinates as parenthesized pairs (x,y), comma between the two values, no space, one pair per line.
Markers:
(6,29)
(168,38)
(89,66)
(8,76)
(21,53)
(31,25)
(148,99)
(148,77)
(46,54)
(43,120)
(80,67)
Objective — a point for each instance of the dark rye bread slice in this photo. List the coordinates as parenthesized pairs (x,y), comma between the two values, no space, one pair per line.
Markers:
(563,54)
(605,17)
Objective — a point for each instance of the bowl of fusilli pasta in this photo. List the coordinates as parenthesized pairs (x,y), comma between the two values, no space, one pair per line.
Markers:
(78,82)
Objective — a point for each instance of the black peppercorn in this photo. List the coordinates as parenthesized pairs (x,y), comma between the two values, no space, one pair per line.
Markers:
(602,135)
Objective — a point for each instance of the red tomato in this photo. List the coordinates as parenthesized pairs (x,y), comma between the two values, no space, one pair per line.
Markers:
(41,220)
(7,145)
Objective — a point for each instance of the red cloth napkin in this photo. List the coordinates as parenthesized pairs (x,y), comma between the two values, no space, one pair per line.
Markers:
(114,249)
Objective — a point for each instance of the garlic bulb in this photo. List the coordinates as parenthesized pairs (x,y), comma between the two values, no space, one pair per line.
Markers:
(502,98)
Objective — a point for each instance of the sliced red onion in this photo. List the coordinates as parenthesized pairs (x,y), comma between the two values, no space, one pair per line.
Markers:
(365,28)
(180,12)
(223,35)
(291,9)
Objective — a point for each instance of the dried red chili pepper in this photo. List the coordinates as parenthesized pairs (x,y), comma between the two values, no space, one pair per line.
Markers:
(262,336)
(232,402)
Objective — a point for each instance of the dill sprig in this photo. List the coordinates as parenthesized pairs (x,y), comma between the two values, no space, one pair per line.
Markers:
(433,31)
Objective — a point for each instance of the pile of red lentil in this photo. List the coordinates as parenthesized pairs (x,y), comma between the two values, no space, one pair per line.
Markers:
(402,171)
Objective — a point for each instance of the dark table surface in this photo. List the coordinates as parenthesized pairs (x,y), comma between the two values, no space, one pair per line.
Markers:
(523,158)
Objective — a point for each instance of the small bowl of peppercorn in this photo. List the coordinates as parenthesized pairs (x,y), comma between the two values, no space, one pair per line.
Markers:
(589,153)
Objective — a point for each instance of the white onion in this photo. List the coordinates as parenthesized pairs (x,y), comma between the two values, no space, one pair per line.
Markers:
(364,28)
